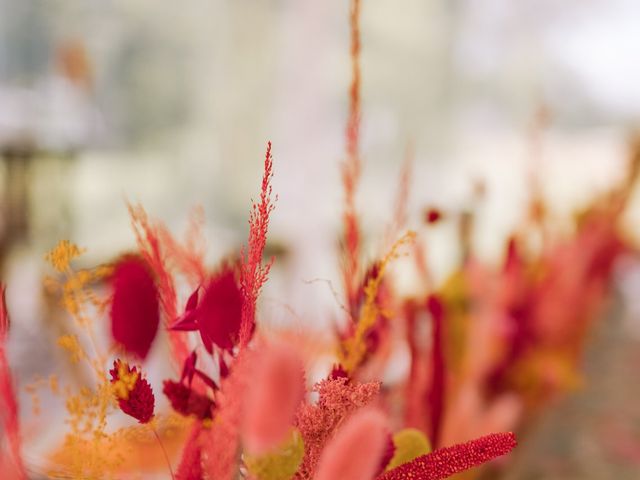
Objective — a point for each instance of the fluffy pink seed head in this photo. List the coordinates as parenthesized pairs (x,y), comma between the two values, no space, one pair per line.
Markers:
(275,391)
(356,450)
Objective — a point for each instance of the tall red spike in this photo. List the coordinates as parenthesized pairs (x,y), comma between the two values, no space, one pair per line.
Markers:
(253,274)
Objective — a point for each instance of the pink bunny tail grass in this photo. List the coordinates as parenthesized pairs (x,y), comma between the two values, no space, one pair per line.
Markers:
(10,458)
(356,450)
(444,462)
(191,463)
(272,398)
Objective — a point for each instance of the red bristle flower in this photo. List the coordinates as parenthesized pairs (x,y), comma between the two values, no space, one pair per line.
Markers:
(444,462)
(186,401)
(134,394)
(135,312)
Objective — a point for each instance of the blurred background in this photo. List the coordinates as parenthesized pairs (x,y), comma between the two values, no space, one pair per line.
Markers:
(172,104)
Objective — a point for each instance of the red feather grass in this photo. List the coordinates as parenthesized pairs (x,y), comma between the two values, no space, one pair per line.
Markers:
(253,274)
(444,462)
(351,168)
(10,458)
(147,237)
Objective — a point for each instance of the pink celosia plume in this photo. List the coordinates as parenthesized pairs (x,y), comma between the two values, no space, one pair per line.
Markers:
(338,398)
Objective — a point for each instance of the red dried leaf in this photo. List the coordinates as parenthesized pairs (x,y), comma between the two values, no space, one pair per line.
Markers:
(220,311)
(134,308)
(444,462)
(138,400)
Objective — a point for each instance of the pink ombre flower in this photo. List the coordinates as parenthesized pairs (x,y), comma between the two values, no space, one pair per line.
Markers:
(273,397)
(356,450)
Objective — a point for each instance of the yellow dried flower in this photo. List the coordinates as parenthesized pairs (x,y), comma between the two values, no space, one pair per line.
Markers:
(62,254)
(282,463)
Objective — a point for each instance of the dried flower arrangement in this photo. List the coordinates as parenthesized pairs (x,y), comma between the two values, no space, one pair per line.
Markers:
(488,349)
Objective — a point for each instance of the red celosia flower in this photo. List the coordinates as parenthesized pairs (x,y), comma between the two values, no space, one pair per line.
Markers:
(444,462)
(133,392)
(218,315)
(134,308)
(186,401)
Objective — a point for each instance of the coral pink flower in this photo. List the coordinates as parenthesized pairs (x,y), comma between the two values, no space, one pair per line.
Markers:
(133,392)
(273,397)
(356,451)
(135,312)
(444,462)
